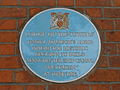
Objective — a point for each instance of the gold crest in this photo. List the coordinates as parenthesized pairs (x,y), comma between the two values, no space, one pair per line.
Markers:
(59,21)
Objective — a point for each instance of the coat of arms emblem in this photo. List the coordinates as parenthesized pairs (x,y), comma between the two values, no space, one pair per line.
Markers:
(59,20)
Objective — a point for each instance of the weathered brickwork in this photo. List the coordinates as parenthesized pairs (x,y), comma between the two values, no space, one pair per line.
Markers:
(105,14)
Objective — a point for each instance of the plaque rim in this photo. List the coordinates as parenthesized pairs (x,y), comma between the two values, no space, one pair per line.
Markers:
(25,63)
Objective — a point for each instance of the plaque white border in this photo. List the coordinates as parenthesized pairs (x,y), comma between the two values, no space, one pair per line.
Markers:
(52,80)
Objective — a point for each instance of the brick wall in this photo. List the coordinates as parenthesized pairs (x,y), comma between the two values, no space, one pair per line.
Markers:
(15,13)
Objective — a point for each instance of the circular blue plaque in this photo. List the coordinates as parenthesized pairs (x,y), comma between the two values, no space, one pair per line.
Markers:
(60,45)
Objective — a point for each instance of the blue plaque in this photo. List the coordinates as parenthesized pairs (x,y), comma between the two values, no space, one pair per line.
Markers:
(60,45)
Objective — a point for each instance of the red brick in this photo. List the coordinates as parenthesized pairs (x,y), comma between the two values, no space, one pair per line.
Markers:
(7,49)
(103,62)
(34,11)
(81,10)
(65,2)
(21,24)
(11,87)
(38,2)
(8,36)
(112,12)
(68,87)
(114,61)
(7,24)
(117,22)
(25,77)
(93,3)
(37,87)
(113,36)
(6,76)
(109,48)
(17,50)
(8,2)
(118,49)
(115,86)
(102,36)
(10,62)
(105,75)
(116,3)
(104,24)
(13,12)
(94,12)
(100,87)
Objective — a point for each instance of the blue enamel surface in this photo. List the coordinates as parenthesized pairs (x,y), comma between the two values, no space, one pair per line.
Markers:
(41,23)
